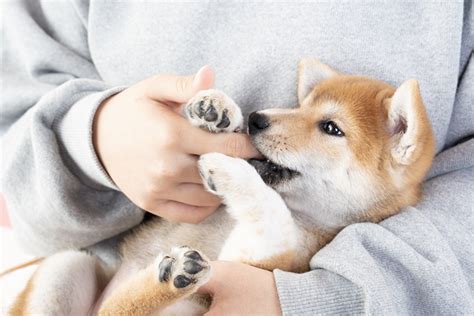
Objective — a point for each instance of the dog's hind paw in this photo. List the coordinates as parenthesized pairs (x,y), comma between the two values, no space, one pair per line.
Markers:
(215,111)
(183,269)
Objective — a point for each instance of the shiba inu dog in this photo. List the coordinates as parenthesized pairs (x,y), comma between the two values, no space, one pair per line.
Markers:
(354,150)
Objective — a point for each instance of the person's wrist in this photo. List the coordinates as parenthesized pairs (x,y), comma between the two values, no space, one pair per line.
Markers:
(104,138)
(75,136)
(275,297)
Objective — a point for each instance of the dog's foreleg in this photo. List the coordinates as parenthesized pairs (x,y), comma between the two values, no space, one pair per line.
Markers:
(168,279)
(265,235)
(66,283)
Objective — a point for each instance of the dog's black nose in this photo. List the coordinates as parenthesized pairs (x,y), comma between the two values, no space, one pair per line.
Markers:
(257,123)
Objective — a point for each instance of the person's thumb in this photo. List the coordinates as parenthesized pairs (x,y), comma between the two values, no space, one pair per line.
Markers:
(203,79)
(207,288)
(179,89)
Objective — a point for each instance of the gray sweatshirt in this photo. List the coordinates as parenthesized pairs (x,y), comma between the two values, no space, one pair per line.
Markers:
(62,58)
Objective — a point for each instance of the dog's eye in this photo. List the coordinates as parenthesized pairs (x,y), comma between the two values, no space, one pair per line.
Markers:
(331,128)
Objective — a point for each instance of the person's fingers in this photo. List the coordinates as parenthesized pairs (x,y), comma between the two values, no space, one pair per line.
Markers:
(183,168)
(204,78)
(200,142)
(211,287)
(214,310)
(189,173)
(178,89)
(196,141)
(179,212)
(208,287)
(191,194)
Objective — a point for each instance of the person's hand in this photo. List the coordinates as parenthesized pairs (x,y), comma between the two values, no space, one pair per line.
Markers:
(240,289)
(150,151)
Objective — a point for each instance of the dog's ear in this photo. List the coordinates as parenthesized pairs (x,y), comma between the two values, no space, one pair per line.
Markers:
(408,123)
(310,73)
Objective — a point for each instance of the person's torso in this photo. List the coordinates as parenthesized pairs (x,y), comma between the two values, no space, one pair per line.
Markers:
(254,47)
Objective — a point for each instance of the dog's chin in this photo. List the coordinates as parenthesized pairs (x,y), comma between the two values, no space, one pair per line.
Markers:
(272,173)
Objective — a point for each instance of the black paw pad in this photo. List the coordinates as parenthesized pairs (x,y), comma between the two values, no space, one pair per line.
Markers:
(165,268)
(182,281)
(192,267)
(225,122)
(211,114)
(200,109)
(211,184)
(193,254)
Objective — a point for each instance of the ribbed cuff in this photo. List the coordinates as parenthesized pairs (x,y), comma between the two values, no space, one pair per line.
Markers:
(75,133)
(318,292)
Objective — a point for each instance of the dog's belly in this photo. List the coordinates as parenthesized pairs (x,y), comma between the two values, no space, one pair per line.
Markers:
(159,236)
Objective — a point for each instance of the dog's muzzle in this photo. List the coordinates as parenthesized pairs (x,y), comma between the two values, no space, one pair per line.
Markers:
(271,173)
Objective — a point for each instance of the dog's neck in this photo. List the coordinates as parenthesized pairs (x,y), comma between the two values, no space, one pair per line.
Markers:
(329,206)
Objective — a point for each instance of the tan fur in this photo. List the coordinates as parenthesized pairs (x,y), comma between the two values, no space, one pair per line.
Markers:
(284,261)
(385,163)
(20,305)
(141,295)
(26,304)
(21,266)
(288,261)
(362,104)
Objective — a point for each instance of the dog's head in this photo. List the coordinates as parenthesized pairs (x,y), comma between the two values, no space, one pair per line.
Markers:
(355,148)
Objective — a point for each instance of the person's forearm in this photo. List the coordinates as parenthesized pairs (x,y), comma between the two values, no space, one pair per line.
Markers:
(318,292)
(51,206)
(51,200)
(75,135)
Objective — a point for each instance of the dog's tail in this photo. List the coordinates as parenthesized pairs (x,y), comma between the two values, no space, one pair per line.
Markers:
(21,266)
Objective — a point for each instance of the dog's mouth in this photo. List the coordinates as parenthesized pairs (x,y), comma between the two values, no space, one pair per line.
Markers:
(271,172)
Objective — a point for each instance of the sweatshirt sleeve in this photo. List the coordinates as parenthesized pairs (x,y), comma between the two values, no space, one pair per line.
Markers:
(418,262)
(58,194)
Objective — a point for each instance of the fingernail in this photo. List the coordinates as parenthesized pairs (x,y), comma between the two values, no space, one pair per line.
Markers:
(199,72)
(204,77)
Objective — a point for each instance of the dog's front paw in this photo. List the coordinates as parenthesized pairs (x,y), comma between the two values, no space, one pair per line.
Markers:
(215,111)
(183,269)
(230,178)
